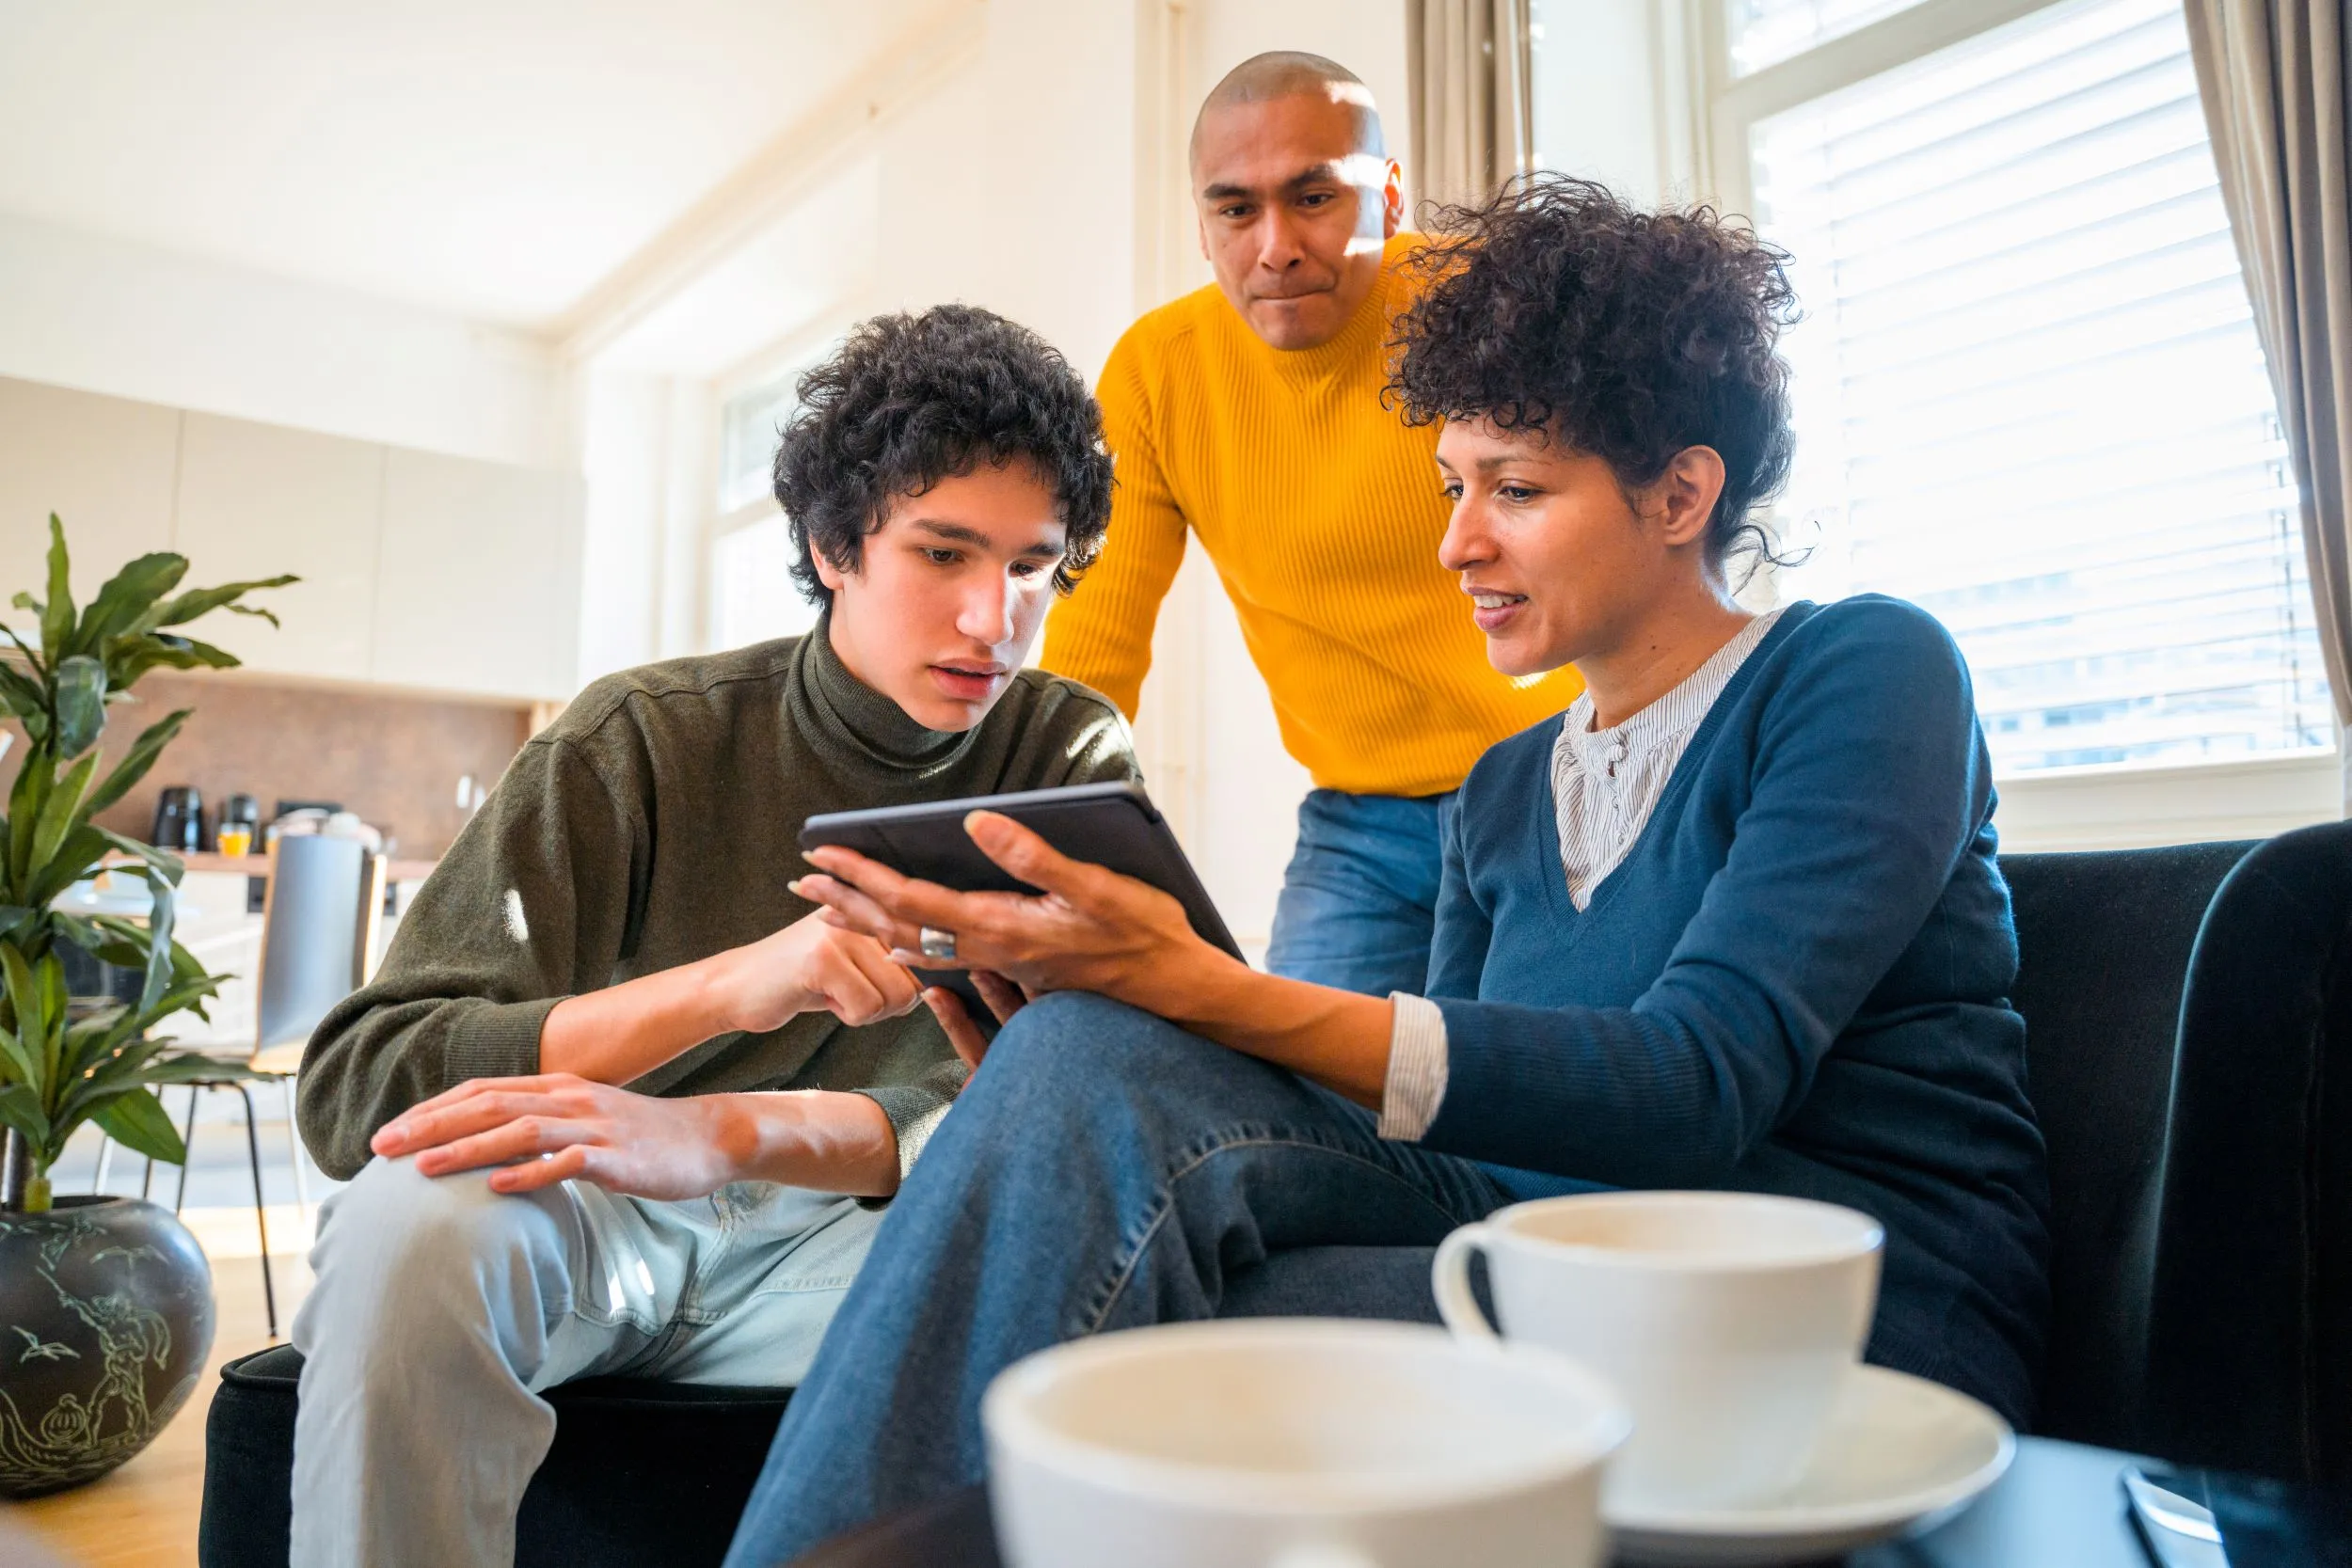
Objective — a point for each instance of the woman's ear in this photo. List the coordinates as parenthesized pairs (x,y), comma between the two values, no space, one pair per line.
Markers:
(1684,497)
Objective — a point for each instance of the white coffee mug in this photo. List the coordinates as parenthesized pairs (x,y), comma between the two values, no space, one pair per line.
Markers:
(1727,1321)
(1298,1442)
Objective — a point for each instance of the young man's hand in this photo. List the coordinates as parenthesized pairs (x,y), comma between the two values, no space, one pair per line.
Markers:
(621,1033)
(555,1127)
(813,964)
(1003,997)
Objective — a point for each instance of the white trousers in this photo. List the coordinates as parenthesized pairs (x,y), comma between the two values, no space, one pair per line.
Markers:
(442,1309)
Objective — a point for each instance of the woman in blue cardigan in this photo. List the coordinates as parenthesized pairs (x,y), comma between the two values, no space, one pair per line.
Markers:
(1732,921)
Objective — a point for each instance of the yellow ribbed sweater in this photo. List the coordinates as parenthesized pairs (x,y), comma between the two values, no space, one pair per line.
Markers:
(1321,512)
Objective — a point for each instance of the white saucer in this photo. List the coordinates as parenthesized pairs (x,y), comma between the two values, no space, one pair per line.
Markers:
(1900,1454)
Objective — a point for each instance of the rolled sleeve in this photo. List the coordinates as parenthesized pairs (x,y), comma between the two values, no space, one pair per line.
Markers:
(1417,1069)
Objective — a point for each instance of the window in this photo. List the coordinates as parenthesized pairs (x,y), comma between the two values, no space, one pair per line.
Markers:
(1766,32)
(748,427)
(752,596)
(2029,395)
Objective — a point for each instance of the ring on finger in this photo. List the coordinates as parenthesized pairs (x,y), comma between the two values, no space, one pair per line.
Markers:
(938,945)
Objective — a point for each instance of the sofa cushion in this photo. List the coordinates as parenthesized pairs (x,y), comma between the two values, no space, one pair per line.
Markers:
(639,1471)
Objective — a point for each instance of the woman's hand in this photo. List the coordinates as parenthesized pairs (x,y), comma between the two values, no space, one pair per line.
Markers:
(1090,929)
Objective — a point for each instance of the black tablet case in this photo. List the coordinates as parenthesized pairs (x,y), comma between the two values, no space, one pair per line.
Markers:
(1111,824)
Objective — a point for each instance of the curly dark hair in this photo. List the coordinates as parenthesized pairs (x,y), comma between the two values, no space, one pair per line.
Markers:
(910,400)
(1628,335)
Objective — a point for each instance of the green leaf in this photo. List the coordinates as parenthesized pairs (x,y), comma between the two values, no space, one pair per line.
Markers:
(128,658)
(138,1122)
(19,1108)
(26,798)
(59,816)
(81,704)
(21,694)
(75,859)
(161,904)
(128,601)
(139,759)
(161,862)
(57,616)
(17,1059)
(203,601)
(31,655)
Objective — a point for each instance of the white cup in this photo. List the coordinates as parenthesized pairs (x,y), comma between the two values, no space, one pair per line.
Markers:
(1727,1321)
(1297,1443)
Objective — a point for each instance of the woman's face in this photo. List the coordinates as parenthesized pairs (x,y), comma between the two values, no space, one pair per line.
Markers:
(1559,565)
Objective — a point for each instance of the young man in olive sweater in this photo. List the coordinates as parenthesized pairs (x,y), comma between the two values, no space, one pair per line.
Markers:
(619,1102)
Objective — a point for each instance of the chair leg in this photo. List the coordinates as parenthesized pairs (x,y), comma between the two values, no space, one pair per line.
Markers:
(186,1139)
(105,1162)
(261,1218)
(293,1148)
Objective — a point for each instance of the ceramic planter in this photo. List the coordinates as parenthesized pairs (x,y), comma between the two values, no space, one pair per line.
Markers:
(106,1321)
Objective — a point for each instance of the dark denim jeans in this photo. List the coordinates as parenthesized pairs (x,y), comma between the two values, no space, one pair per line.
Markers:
(1360,897)
(1104,1170)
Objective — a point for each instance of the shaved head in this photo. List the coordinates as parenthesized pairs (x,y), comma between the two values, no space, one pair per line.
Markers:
(1291,73)
(1295,193)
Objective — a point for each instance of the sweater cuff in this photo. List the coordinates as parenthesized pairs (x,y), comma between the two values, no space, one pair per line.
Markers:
(1417,1069)
(915,1111)
(498,1040)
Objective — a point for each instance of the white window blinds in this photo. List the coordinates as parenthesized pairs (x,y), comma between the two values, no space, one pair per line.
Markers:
(2030,398)
(1766,32)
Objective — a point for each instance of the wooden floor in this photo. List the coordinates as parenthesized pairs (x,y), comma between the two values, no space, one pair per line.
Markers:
(144,1515)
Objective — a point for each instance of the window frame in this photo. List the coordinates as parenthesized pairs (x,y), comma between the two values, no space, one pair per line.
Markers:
(2107,807)
(749,374)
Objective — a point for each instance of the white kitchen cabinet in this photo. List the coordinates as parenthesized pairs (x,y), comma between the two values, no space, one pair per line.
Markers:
(104,465)
(471,592)
(257,501)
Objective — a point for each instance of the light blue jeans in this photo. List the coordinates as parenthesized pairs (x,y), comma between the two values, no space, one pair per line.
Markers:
(1103,1170)
(443,1308)
(1360,897)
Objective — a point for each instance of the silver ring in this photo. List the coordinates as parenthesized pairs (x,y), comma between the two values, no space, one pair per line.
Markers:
(938,944)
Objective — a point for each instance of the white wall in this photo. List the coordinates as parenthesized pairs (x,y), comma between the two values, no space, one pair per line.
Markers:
(1607,105)
(102,316)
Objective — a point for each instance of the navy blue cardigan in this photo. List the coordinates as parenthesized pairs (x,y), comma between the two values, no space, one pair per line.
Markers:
(1795,982)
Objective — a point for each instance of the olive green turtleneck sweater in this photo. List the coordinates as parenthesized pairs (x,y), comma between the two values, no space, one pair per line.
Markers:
(657,823)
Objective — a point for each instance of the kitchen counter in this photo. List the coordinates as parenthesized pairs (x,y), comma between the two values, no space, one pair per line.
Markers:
(258,865)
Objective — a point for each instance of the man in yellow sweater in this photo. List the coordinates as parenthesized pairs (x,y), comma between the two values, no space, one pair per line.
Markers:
(1251,413)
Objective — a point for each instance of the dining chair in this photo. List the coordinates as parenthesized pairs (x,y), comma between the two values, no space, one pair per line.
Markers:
(319,920)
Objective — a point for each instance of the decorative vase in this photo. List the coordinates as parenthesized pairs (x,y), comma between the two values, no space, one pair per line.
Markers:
(106,1321)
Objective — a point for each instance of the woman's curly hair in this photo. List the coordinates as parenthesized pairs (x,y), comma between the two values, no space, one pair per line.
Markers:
(910,400)
(1627,335)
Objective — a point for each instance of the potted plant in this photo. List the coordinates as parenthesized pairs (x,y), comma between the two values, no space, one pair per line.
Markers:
(107,1300)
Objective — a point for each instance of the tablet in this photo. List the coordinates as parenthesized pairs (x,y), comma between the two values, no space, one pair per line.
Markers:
(1110,825)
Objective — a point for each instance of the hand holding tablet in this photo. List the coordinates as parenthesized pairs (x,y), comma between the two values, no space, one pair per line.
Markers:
(1056,889)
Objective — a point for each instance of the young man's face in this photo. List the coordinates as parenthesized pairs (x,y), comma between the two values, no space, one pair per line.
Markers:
(1293,210)
(948,593)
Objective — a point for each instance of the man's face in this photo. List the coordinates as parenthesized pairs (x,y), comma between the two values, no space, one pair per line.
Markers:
(949,593)
(1293,213)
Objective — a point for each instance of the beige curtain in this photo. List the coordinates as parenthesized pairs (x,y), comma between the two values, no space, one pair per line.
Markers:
(1473,108)
(2273,77)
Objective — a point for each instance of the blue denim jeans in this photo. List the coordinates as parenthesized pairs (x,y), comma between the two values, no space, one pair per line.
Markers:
(1104,1170)
(1360,897)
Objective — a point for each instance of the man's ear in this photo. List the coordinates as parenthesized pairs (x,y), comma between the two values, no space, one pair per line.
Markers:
(832,576)
(1684,497)
(1392,200)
